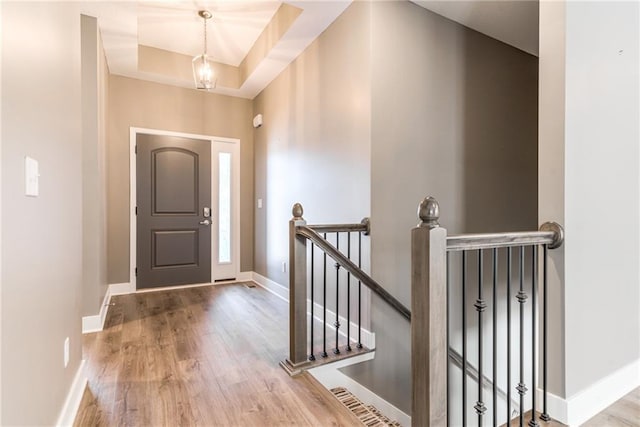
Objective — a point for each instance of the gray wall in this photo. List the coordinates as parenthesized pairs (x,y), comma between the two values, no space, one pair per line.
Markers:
(601,145)
(1,400)
(454,115)
(151,105)
(95,75)
(41,237)
(314,146)
(589,92)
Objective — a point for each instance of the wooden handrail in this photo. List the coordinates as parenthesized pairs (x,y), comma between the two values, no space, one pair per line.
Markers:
(311,234)
(362,227)
(550,234)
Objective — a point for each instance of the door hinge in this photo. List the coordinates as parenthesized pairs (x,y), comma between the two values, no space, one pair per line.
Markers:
(136,271)
(135,149)
(136,210)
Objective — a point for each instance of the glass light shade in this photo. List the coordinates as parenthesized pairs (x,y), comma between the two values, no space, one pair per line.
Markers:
(203,73)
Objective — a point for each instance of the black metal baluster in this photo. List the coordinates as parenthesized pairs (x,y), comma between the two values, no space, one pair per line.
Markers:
(312,357)
(495,336)
(522,299)
(324,303)
(336,350)
(480,307)
(359,292)
(464,338)
(509,336)
(533,422)
(448,311)
(348,295)
(545,415)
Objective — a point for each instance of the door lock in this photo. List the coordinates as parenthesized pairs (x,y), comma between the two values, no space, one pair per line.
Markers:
(206,212)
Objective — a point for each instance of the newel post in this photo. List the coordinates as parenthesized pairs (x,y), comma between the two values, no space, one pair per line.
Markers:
(297,290)
(429,353)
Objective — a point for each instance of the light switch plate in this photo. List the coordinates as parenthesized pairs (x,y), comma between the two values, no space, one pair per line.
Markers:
(259,203)
(66,352)
(31,176)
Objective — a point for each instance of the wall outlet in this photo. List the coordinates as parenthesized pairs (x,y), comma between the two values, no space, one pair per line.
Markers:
(66,352)
(284,266)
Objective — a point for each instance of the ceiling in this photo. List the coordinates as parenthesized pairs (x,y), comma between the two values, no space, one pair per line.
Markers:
(231,32)
(254,40)
(251,40)
(514,22)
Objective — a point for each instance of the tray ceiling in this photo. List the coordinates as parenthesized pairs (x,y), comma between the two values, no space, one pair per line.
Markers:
(252,40)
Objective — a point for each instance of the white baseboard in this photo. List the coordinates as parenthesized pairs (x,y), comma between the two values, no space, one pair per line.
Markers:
(121,288)
(176,287)
(74,397)
(368,337)
(274,287)
(556,407)
(96,323)
(126,288)
(330,377)
(584,405)
(244,276)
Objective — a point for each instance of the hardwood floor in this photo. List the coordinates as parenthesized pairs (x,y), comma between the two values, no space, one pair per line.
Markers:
(209,356)
(199,356)
(623,413)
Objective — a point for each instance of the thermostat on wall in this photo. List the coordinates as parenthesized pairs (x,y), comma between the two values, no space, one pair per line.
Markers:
(257,121)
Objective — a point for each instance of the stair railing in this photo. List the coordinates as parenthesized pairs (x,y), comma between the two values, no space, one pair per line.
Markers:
(430,290)
(301,284)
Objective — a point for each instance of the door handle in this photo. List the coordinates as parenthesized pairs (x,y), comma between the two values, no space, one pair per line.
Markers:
(205,222)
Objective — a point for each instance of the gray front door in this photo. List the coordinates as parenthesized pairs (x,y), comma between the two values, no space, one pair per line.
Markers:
(173,199)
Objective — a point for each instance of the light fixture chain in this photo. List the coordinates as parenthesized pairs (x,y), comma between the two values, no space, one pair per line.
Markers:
(205,35)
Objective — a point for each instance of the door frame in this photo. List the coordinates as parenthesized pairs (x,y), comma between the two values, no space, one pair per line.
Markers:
(235,191)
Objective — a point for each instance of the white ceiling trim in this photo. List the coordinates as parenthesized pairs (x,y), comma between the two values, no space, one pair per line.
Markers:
(231,32)
(314,19)
(118,23)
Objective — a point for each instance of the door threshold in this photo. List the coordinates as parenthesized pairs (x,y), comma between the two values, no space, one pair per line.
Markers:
(194,285)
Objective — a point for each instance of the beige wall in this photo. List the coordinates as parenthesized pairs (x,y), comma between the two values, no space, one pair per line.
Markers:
(314,146)
(454,115)
(396,102)
(95,74)
(42,238)
(135,103)
(551,181)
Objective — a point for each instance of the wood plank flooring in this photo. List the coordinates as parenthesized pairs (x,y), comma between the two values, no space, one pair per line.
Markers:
(199,356)
(209,356)
(623,413)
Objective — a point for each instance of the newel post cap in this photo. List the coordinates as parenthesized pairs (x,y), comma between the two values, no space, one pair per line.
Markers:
(429,212)
(297,211)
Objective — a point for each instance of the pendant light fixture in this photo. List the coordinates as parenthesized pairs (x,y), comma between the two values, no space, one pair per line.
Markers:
(203,73)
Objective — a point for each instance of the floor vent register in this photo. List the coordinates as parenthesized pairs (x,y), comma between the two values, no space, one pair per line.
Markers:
(368,414)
